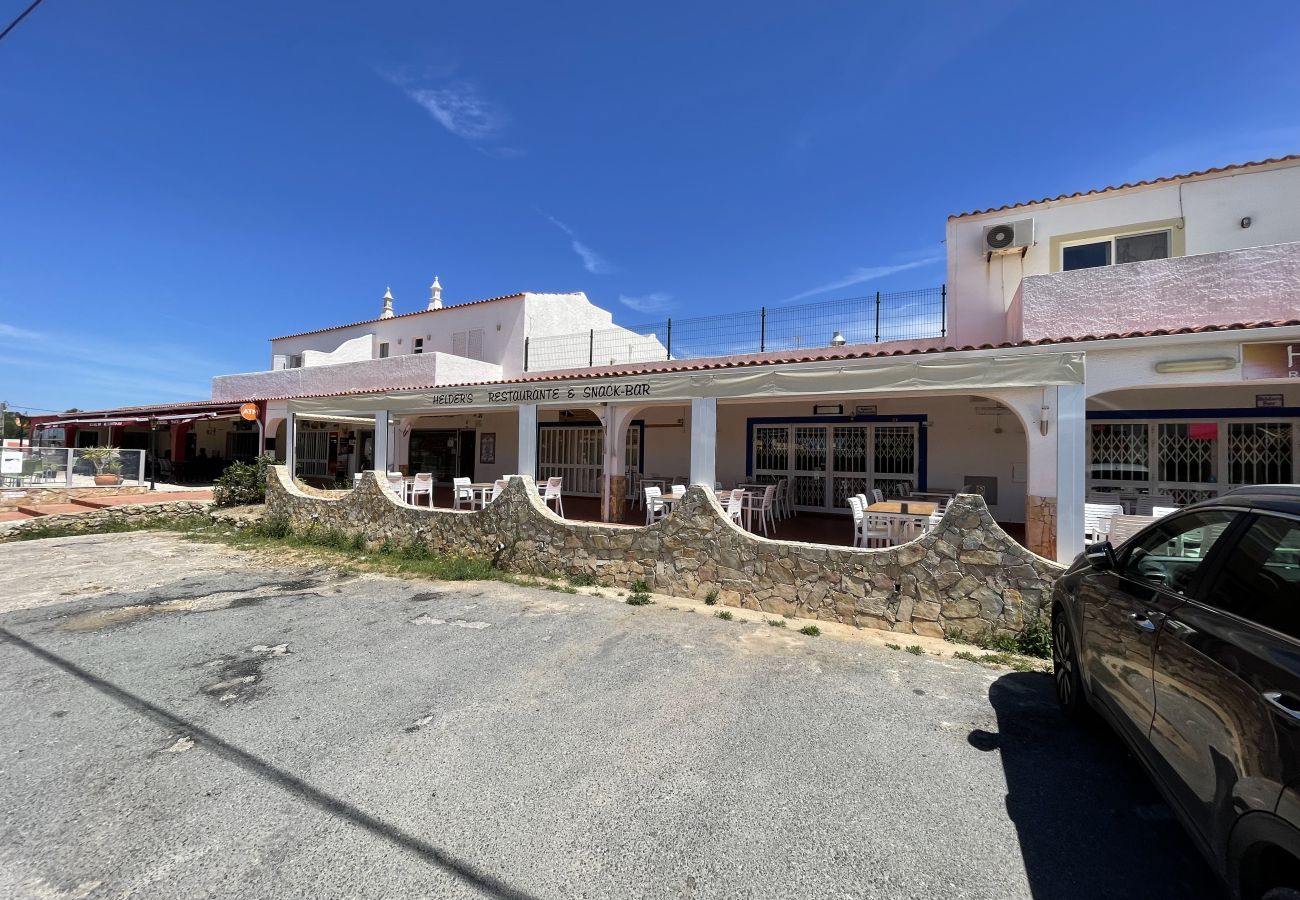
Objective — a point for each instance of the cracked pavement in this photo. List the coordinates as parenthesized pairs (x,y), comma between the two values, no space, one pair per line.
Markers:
(182,720)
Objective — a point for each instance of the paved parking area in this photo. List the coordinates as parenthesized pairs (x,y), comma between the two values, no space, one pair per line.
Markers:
(181,720)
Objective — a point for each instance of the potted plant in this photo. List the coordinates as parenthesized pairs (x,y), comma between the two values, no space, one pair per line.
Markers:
(107,462)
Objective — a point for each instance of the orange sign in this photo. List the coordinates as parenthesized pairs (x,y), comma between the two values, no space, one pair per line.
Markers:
(1280,360)
(249,411)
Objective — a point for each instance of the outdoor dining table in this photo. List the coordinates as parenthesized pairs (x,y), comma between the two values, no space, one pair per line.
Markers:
(753,500)
(482,494)
(914,507)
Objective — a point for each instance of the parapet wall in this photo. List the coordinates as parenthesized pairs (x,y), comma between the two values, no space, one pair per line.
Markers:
(967,573)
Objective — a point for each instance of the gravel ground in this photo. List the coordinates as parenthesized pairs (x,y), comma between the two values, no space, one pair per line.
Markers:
(185,721)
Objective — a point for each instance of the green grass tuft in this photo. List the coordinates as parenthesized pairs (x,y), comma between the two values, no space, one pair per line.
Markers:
(724,614)
(810,630)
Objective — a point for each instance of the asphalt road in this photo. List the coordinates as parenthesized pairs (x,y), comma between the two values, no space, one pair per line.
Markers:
(179,721)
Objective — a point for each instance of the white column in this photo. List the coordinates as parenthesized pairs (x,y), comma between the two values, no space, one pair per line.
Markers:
(1071,467)
(291,442)
(527,463)
(704,440)
(381,440)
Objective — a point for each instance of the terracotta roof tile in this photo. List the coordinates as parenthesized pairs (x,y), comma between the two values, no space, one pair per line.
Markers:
(127,411)
(1132,184)
(827,355)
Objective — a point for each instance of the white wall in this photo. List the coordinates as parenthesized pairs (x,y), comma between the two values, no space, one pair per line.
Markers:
(504,324)
(411,371)
(1211,208)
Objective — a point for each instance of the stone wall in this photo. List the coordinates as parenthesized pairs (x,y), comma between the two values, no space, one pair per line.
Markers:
(1040,525)
(36,495)
(966,574)
(142,514)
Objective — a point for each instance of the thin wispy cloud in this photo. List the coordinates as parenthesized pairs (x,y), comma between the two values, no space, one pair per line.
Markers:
(592,261)
(458,106)
(864,274)
(11,331)
(113,372)
(656,302)
(462,110)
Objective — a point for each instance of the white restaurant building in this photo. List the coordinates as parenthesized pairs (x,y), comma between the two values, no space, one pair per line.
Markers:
(1143,338)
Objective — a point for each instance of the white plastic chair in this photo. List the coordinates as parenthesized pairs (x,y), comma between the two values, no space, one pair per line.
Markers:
(877,530)
(855,506)
(1096,519)
(422,485)
(877,495)
(1147,503)
(1161,511)
(767,507)
(461,492)
(551,494)
(497,487)
(736,505)
(932,522)
(356,480)
(655,508)
(397,484)
(678,491)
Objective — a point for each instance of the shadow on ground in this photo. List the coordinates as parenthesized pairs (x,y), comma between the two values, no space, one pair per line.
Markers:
(1090,821)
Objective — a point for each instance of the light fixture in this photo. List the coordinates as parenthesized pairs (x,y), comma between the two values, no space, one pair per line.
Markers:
(838,340)
(1245,221)
(1208,364)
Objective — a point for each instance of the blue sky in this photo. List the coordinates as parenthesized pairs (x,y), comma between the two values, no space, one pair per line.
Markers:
(182,181)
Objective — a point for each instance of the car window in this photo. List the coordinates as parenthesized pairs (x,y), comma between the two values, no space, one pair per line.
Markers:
(1172,555)
(1261,577)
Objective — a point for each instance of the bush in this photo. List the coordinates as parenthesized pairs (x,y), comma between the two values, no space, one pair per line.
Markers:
(1035,638)
(810,630)
(711,598)
(243,484)
(273,527)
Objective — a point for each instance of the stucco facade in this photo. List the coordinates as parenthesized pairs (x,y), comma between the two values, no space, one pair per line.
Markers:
(1203,213)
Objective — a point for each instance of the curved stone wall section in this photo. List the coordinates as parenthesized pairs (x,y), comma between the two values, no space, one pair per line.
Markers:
(967,573)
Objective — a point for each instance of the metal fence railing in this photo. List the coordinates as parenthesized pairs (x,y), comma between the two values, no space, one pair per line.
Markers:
(27,467)
(898,316)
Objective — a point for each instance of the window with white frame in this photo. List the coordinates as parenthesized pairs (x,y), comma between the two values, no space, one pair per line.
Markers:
(1116,250)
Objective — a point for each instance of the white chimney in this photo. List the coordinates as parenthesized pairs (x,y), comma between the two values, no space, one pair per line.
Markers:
(435,294)
(387,312)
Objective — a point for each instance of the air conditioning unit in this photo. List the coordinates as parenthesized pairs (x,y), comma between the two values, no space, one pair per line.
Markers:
(1009,237)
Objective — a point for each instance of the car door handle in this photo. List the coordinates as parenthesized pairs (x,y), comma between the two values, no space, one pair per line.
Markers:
(1146,621)
(1284,702)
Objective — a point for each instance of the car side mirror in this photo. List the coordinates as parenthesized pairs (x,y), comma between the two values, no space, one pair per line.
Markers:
(1101,556)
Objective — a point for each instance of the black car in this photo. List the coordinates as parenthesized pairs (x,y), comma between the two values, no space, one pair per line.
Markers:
(1186,639)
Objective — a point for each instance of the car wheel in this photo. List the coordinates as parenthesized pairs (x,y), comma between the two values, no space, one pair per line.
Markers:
(1065,668)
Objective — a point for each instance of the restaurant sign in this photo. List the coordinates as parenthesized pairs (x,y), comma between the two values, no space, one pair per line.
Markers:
(1271,360)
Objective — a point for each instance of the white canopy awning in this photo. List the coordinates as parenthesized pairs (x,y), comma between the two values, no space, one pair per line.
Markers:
(958,372)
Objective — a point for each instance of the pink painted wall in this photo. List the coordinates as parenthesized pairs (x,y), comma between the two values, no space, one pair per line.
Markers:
(1251,285)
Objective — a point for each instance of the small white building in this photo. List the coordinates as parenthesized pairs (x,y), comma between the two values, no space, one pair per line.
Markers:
(1141,340)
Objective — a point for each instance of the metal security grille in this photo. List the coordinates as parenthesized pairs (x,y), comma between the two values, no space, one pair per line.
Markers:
(830,463)
(1186,451)
(895,450)
(574,454)
(1189,460)
(772,448)
(577,454)
(1119,452)
(1259,453)
(312,452)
